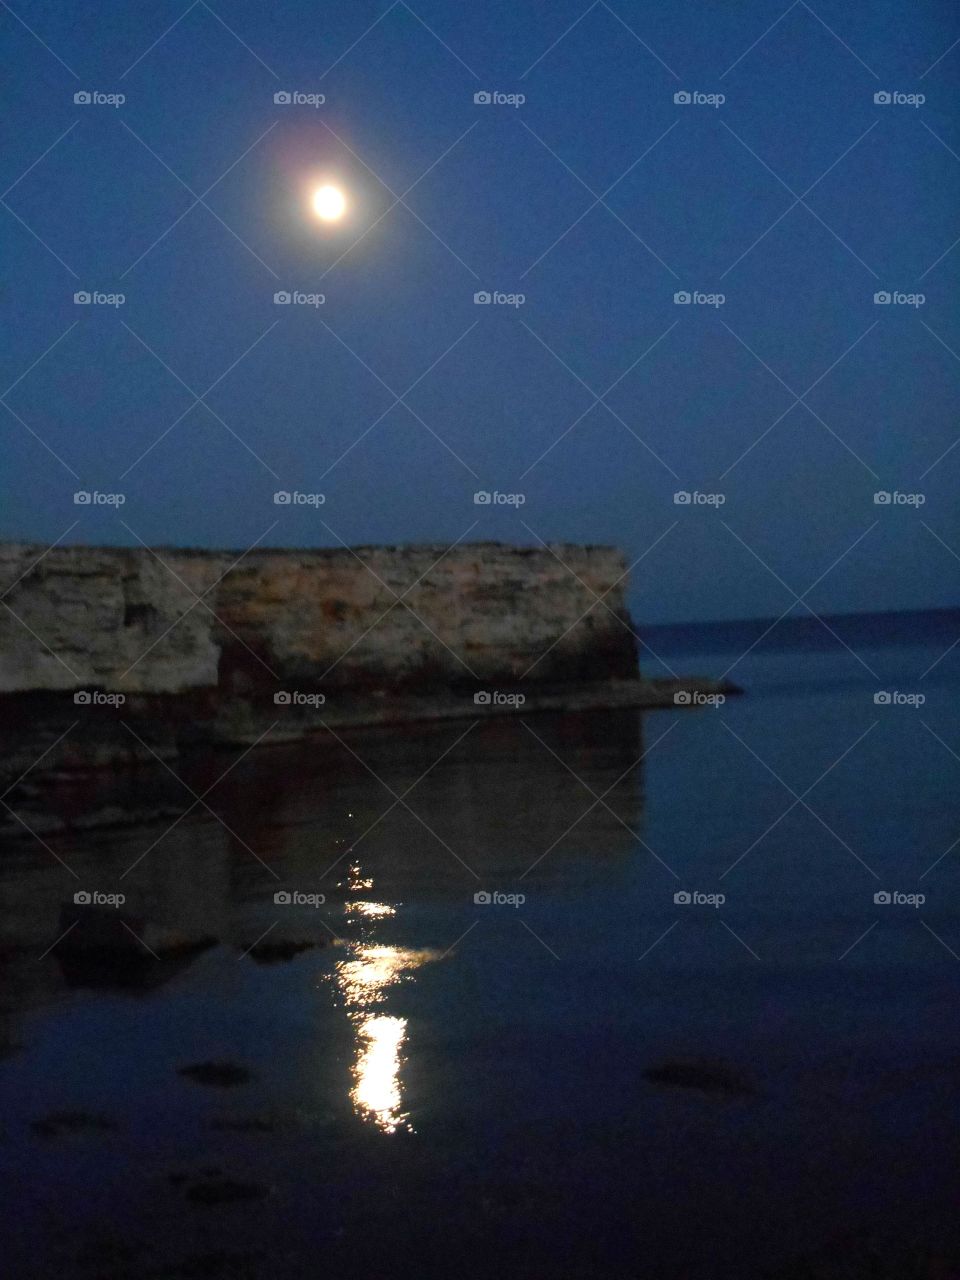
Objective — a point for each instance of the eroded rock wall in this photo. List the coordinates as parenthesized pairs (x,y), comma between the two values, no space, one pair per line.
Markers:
(176,622)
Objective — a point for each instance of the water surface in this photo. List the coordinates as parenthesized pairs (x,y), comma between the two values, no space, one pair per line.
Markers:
(452,1087)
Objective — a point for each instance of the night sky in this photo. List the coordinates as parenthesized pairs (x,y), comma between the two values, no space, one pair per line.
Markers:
(600,197)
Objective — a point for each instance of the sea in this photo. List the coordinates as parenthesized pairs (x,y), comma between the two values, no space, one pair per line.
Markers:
(662,994)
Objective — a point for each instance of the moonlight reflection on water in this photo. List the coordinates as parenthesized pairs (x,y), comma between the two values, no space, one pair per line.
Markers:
(363,980)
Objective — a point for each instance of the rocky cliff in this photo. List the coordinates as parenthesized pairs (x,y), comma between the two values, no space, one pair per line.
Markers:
(115,661)
(140,621)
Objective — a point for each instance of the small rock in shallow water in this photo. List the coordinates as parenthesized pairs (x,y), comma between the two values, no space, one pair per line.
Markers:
(211,1185)
(214,1191)
(708,1077)
(60,1122)
(273,951)
(222,1074)
(243,1124)
(106,931)
(223,1264)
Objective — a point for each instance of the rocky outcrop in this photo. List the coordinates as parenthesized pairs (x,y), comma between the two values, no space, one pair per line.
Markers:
(115,660)
(169,621)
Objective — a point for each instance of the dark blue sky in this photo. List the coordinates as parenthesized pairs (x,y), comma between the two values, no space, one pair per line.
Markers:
(703,399)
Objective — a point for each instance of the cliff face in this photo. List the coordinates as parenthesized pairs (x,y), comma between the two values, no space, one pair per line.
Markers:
(115,661)
(373,618)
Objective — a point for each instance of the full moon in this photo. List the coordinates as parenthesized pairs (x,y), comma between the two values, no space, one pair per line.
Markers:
(329,203)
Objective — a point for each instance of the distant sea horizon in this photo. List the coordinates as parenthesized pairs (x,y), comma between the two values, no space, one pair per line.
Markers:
(803,631)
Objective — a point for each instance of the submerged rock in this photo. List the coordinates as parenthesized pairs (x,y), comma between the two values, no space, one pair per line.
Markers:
(214,1191)
(106,930)
(223,1075)
(222,1264)
(60,1122)
(278,949)
(708,1077)
(243,1124)
(105,947)
(211,1185)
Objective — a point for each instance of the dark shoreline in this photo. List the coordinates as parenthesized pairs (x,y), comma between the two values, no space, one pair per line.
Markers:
(75,768)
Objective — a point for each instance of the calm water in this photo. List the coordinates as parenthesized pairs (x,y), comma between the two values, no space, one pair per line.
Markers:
(452,1088)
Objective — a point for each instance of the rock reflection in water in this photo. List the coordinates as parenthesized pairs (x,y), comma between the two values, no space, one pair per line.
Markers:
(498,801)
